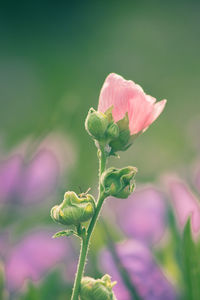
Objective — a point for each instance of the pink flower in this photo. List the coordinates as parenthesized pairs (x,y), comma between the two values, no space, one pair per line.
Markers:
(127,97)
(186,205)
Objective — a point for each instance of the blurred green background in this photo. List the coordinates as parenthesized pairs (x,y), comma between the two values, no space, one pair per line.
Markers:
(54,57)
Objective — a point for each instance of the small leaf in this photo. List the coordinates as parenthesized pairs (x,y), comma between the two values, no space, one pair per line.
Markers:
(64,233)
(191,264)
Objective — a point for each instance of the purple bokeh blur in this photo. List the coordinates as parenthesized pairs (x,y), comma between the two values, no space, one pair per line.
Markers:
(144,273)
(30,175)
(29,182)
(33,256)
(185,204)
(10,174)
(142,216)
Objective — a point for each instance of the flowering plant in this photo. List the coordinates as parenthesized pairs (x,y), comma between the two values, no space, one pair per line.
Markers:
(124,112)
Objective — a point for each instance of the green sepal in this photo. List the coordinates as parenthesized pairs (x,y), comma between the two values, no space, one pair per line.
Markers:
(123,141)
(64,233)
(109,115)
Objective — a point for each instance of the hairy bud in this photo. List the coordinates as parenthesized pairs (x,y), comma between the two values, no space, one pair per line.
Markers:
(119,182)
(96,124)
(74,209)
(97,289)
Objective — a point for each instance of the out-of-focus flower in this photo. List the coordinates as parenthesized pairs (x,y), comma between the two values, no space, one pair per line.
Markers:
(127,97)
(28,182)
(144,273)
(142,216)
(32,257)
(185,203)
(10,174)
(39,177)
(32,180)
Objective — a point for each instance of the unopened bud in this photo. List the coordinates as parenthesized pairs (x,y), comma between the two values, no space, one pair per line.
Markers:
(119,182)
(74,209)
(97,289)
(96,124)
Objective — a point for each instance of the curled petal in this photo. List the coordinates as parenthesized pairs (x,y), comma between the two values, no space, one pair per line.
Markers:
(116,92)
(127,97)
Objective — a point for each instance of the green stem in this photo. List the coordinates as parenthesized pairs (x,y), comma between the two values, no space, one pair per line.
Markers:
(86,240)
(80,269)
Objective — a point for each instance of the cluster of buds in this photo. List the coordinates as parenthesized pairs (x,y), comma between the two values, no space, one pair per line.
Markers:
(74,209)
(104,130)
(124,112)
(98,289)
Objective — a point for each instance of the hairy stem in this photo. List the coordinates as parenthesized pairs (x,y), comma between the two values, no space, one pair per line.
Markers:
(86,240)
(80,269)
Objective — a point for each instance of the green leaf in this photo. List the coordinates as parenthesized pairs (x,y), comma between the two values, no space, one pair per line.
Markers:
(191,264)
(64,233)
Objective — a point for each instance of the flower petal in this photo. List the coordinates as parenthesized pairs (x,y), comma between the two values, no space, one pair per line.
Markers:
(186,205)
(117,91)
(139,112)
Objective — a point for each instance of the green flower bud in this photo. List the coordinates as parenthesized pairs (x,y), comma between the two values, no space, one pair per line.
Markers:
(119,182)
(97,289)
(96,124)
(74,209)
(112,131)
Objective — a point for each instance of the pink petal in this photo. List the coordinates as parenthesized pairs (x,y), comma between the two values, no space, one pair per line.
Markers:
(126,96)
(157,110)
(139,112)
(186,205)
(116,92)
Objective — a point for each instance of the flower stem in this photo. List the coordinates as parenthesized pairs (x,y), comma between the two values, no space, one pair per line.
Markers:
(86,239)
(80,269)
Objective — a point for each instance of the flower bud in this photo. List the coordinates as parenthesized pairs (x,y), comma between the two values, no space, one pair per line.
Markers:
(98,289)
(96,124)
(74,209)
(119,182)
